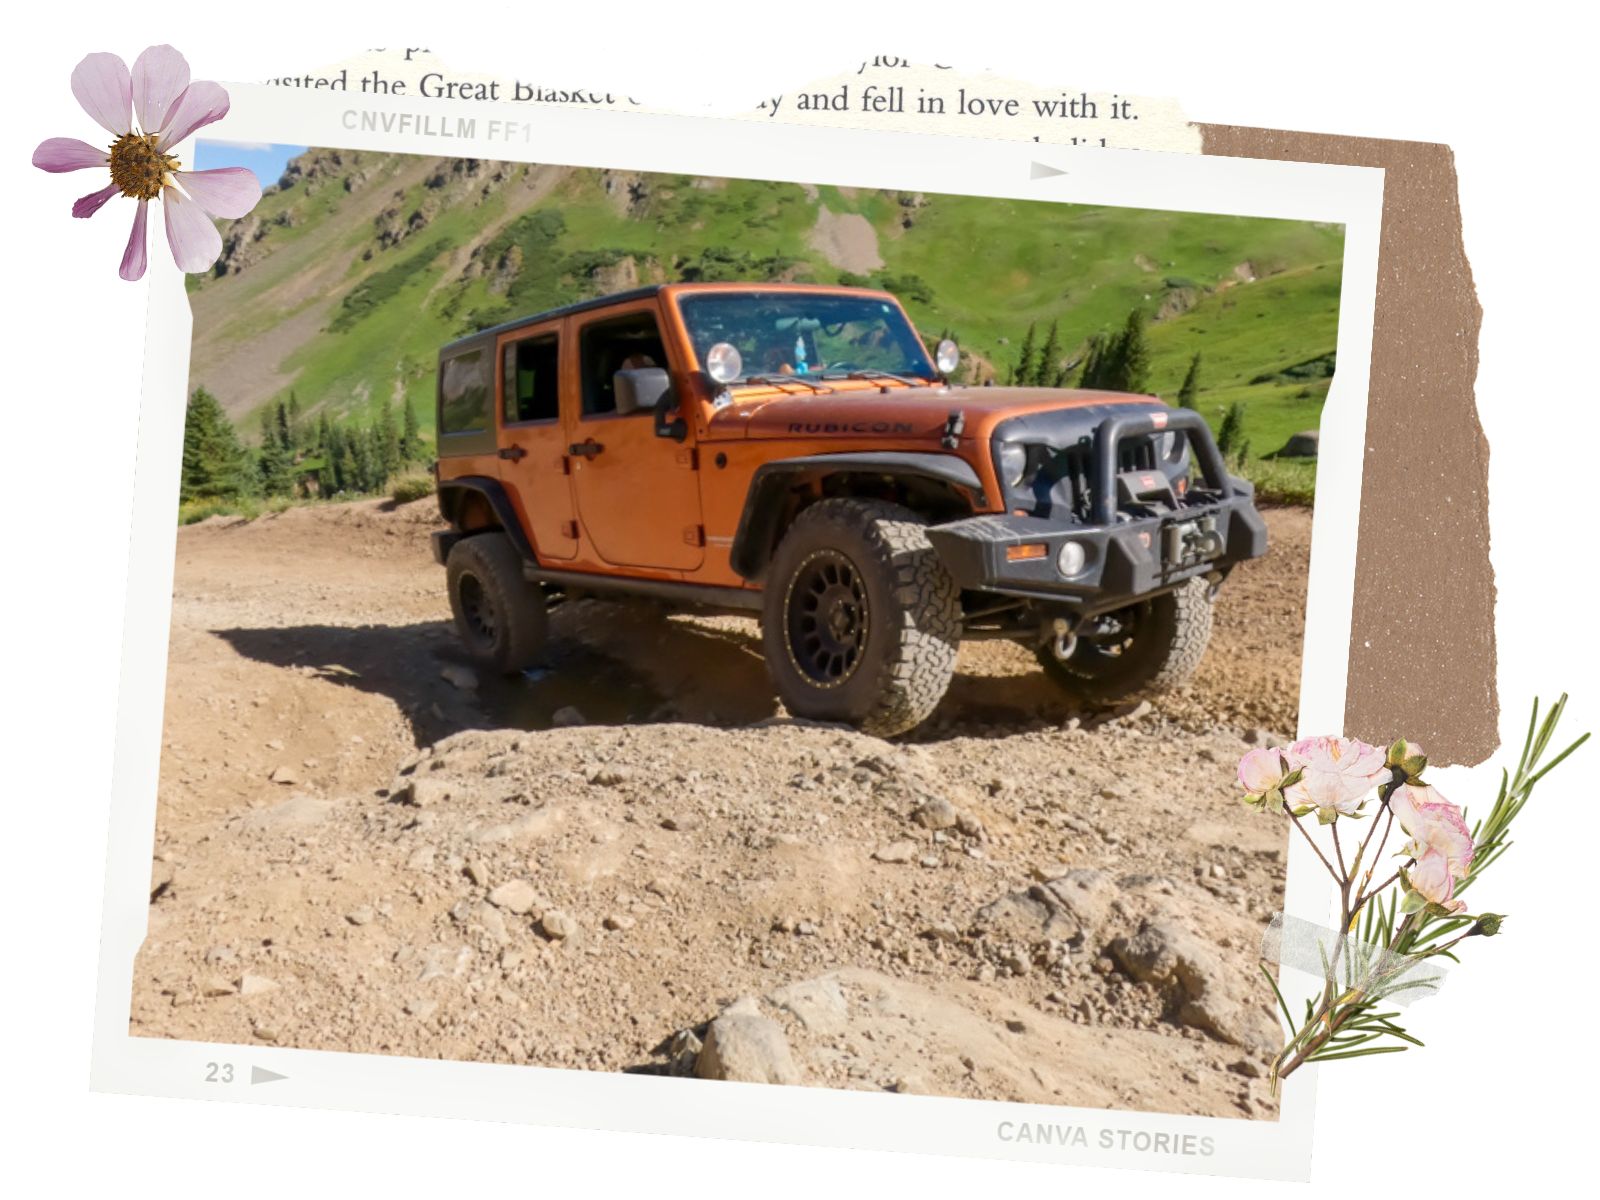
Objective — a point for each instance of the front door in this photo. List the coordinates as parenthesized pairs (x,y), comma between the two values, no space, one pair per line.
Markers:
(533,442)
(638,494)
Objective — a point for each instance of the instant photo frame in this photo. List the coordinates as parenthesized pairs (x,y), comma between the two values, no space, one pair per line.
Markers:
(270,1074)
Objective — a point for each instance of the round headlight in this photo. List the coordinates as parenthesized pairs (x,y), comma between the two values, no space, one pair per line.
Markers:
(947,357)
(1013,463)
(1070,558)
(724,362)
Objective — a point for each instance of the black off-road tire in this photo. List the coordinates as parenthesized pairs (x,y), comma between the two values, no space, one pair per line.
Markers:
(873,558)
(499,615)
(1168,639)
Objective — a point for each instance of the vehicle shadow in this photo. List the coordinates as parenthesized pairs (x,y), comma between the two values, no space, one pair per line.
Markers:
(614,664)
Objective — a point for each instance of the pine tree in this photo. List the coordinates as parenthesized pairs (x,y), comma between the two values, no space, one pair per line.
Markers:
(1130,360)
(324,434)
(367,463)
(294,418)
(410,436)
(386,445)
(1094,363)
(349,468)
(281,432)
(1024,368)
(333,458)
(1047,367)
(274,464)
(213,459)
(1190,390)
(1231,434)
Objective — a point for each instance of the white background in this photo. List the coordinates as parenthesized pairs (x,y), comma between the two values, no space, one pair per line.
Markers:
(1502,1087)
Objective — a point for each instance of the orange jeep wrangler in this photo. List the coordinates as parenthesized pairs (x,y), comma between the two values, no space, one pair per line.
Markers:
(792,452)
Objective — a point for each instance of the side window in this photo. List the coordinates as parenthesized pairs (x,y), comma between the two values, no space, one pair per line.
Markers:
(530,382)
(606,347)
(464,392)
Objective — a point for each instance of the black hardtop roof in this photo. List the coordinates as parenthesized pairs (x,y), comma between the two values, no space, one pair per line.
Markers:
(581,306)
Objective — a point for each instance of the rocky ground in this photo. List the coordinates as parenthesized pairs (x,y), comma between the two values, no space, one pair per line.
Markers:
(631,860)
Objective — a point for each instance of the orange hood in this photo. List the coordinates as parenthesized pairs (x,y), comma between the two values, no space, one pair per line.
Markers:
(894,411)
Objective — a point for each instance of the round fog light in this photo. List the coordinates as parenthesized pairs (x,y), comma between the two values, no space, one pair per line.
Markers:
(1070,558)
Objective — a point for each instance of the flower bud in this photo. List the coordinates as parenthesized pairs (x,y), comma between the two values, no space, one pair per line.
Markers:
(1408,759)
(1486,925)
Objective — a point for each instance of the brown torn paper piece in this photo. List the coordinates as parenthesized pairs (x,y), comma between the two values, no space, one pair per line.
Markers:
(1422,658)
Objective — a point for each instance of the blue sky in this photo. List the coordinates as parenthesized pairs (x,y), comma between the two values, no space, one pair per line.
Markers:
(267,161)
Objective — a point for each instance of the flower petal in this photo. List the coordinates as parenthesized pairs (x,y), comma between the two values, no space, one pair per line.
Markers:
(88,205)
(160,75)
(1434,824)
(194,240)
(101,84)
(134,257)
(223,192)
(202,102)
(68,154)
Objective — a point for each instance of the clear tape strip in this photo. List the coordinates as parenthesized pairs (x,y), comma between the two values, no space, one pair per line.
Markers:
(1378,973)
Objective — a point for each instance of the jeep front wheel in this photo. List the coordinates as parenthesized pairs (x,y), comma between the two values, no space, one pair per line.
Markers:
(499,615)
(1147,648)
(861,622)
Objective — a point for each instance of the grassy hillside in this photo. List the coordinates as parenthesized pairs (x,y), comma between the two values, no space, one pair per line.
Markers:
(352,272)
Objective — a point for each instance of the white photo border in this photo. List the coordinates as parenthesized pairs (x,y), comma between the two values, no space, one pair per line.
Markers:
(1281,1149)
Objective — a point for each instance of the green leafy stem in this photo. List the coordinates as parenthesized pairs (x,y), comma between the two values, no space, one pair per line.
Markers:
(1385,938)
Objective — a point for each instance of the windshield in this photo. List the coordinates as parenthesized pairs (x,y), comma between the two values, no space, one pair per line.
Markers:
(807,335)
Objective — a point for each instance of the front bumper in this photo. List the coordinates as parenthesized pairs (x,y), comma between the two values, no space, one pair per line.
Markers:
(1121,562)
(1126,554)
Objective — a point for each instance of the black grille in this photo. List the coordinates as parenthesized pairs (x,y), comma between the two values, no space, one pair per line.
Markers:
(1137,454)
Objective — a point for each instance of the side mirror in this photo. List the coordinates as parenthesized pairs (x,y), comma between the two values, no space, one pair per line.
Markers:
(637,390)
(668,426)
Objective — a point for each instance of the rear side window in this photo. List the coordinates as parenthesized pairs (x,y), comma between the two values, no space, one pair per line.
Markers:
(464,393)
(530,386)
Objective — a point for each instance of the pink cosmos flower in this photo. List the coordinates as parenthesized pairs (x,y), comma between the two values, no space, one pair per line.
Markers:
(1336,775)
(1440,842)
(169,108)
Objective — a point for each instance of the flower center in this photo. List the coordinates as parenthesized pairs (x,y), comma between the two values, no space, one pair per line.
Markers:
(138,168)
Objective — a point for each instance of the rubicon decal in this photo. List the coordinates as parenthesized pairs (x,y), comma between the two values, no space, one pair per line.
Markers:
(803,427)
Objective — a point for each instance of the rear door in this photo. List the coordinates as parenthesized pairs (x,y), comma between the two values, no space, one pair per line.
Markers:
(638,494)
(533,442)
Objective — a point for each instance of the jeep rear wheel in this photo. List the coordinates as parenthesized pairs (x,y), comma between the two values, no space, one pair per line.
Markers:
(861,622)
(1142,650)
(499,615)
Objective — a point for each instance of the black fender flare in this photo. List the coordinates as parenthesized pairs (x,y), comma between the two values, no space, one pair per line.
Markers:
(759,522)
(451,492)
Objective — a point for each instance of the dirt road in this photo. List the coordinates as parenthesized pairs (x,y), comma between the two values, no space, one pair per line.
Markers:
(361,846)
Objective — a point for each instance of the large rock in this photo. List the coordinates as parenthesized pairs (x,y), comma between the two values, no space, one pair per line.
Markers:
(818,1003)
(1166,955)
(515,895)
(1076,902)
(297,812)
(746,1049)
(1301,445)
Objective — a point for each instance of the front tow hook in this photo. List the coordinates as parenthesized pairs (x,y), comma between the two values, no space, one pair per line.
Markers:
(1060,637)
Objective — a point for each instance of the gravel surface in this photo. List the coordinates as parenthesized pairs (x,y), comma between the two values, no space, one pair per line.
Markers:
(631,859)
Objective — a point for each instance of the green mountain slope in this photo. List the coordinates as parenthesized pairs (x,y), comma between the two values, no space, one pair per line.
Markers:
(351,273)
